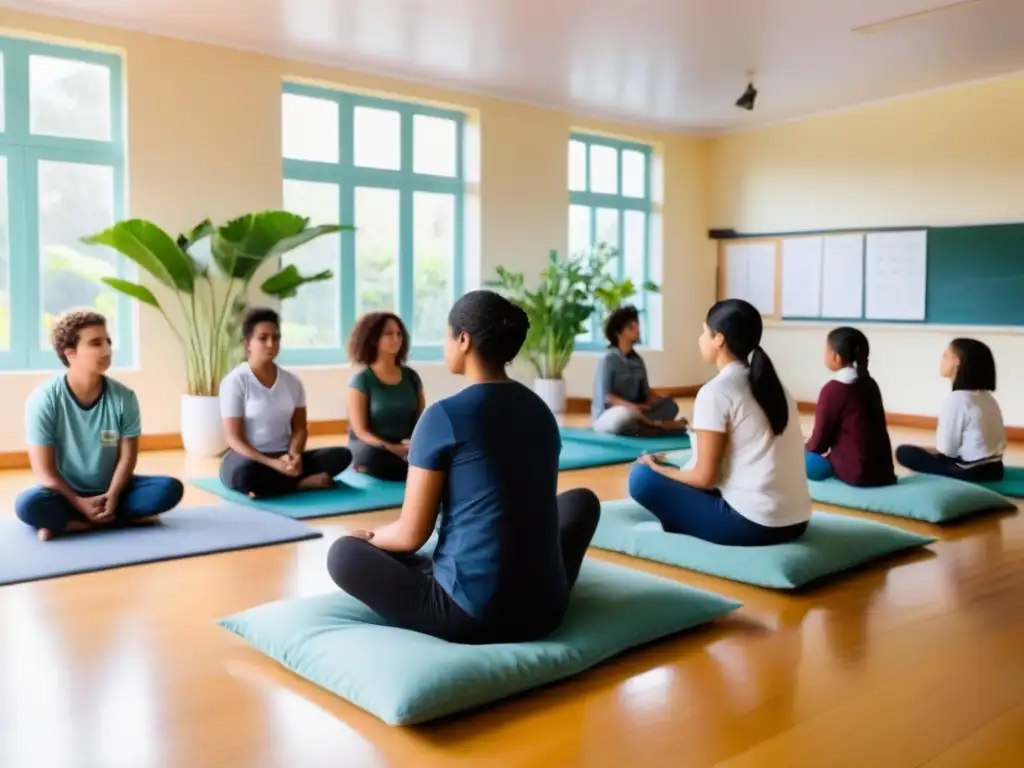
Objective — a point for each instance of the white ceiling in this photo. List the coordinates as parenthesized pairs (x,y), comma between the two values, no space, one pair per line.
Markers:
(669,63)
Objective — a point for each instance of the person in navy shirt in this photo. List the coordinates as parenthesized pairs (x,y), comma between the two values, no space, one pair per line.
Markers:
(509,547)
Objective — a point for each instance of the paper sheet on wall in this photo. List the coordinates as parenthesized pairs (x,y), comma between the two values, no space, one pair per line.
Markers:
(895,275)
(842,277)
(750,274)
(801,276)
(736,258)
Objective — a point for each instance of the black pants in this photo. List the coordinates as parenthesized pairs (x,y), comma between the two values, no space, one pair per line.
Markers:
(402,589)
(247,476)
(377,462)
(920,460)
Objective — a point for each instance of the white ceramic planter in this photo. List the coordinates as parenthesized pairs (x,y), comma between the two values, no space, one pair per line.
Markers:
(202,431)
(552,392)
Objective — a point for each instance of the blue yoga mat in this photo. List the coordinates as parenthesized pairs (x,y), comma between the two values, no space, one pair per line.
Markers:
(179,533)
(353,493)
(635,445)
(581,454)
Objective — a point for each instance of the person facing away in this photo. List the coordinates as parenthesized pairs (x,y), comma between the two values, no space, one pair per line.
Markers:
(264,412)
(850,440)
(385,398)
(623,402)
(82,430)
(970,438)
(745,484)
(509,547)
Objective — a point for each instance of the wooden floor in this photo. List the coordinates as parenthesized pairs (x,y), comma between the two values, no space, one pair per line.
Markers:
(918,662)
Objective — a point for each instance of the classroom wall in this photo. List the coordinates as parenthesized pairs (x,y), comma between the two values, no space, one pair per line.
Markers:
(204,140)
(948,157)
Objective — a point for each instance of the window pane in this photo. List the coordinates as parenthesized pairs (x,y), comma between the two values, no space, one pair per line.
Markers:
(433,217)
(577,166)
(604,169)
(378,138)
(377,227)
(579,229)
(3,85)
(69,98)
(311,319)
(75,199)
(634,173)
(633,249)
(608,234)
(5,261)
(309,129)
(434,146)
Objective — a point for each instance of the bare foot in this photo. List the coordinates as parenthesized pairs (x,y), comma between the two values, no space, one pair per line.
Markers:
(44,534)
(316,482)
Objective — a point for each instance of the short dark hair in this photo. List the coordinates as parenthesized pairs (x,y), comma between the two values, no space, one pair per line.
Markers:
(495,325)
(977,369)
(68,328)
(365,338)
(618,320)
(258,315)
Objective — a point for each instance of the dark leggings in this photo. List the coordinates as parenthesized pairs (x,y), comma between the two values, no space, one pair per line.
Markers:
(927,462)
(401,588)
(377,462)
(247,476)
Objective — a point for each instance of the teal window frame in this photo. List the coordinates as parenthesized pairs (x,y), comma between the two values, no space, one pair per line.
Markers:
(348,176)
(23,151)
(621,203)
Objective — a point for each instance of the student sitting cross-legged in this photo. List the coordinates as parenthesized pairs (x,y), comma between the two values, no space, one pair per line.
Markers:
(850,439)
(385,398)
(623,402)
(970,437)
(82,430)
(264,411)
(745,484)
(509,547)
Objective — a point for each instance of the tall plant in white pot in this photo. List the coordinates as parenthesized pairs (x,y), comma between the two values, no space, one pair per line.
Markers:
(207,301)
(568,294)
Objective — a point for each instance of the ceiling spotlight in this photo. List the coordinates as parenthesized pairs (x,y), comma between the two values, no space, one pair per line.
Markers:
(746,101)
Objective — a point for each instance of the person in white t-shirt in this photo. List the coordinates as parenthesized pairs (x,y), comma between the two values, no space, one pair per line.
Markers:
(746,483)
(264,412)
(970,438)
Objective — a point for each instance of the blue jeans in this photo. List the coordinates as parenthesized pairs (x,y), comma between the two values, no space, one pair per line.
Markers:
(703,514)
(145,496)
(818,467)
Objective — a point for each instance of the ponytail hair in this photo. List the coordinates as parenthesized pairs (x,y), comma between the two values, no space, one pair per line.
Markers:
(741,325)
(852,348)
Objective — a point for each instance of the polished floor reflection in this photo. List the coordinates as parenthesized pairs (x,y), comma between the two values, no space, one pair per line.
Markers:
(917,662)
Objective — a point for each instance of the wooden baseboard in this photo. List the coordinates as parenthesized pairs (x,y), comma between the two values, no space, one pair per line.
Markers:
(915,421)
(582,404)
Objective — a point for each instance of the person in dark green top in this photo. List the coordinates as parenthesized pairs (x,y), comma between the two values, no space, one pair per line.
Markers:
(385,398)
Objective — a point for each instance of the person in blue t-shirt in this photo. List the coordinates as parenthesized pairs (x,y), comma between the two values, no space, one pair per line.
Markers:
(82,431)
(509,546)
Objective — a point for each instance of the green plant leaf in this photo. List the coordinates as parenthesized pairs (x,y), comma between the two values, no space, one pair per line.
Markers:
(152,249)
(243,244)
(136,291)
(286,283)
(312,233)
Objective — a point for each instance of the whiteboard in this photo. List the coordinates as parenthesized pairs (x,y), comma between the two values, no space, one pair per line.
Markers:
(801,276)
(750,274)
(842,277)
(895,275)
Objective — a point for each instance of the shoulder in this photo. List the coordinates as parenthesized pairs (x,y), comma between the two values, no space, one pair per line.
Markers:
(834,390)
(122,393)
(46,393)
(291,379)
(412,375)
(360,379)
(236,376)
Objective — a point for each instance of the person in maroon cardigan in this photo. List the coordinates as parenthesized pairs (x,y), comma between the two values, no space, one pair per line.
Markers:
(850,440)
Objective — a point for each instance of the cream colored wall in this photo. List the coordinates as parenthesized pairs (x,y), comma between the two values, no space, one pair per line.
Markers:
(949,157)
(204,140)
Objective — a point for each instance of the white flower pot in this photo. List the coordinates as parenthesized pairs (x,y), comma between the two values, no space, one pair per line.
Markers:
(202,431)
(552,392)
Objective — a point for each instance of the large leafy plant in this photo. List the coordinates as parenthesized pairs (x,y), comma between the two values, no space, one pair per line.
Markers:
(560,308)
(210,298)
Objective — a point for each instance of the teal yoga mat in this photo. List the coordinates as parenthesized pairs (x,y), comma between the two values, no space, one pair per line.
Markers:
(634,445)
(581,454)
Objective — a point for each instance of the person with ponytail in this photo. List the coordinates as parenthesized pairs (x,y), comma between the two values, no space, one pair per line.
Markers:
(509,546)
(745,483)
(850,439)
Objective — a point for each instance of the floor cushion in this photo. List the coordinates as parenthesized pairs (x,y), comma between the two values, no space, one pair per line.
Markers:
(1011,485)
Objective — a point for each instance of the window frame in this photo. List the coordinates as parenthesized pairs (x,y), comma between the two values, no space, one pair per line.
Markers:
(24,151)
(348,176)
(620,203)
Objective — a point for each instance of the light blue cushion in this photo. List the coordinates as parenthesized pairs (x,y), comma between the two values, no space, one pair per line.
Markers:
(832,544)
(404,677)
(931,498)
(1011,485)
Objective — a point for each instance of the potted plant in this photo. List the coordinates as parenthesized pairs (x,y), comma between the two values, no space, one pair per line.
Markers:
(570,291)
(209,300)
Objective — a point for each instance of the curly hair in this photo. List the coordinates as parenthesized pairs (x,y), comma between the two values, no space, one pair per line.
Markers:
(68,327)
(617,321)
(362,344)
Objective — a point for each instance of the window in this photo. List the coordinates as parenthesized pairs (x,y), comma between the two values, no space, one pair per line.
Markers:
(61,178)
(610,203)
(395,171)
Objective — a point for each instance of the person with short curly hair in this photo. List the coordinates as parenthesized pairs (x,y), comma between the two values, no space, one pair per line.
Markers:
(385,397)
(82,430)
(624,403)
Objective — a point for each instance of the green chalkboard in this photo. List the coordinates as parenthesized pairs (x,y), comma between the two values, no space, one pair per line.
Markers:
(975,275)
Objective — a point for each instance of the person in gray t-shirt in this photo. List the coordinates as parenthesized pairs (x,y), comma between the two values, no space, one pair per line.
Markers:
(623,402)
